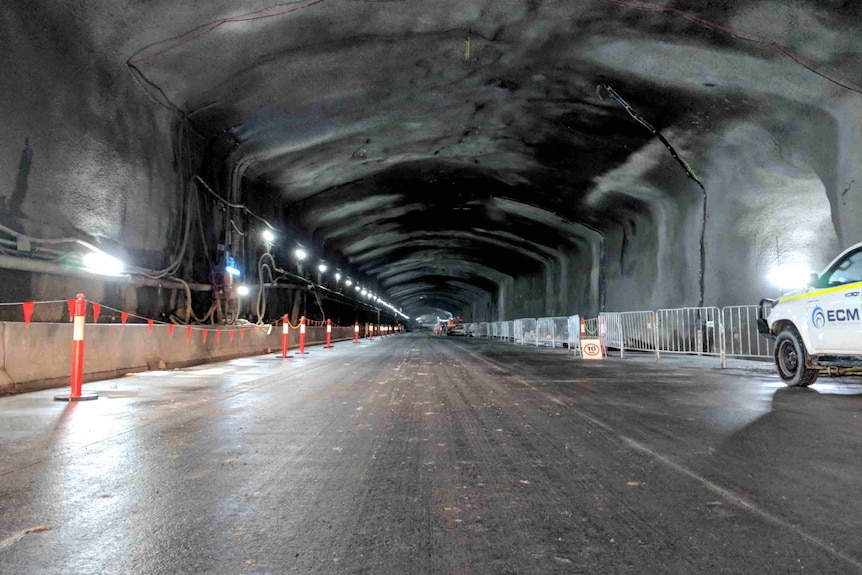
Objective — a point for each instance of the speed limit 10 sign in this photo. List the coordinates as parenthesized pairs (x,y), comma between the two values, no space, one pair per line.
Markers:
(591,349)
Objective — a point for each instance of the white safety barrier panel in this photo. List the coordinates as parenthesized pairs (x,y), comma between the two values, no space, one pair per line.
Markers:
(507,330)
(740,337)
(693,330)
(525,331)
(613,329)
(573,324)
(632,330)
(553,331)
(561,331)
(475,329)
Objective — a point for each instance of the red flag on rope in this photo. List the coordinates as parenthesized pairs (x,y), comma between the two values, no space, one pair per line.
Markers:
(124,316)
(28,311)
(149,326)
(230,335)
(241,333)
(71,304)
(188,333)
(206,331)
(218,336)
(170,331)
(97,309)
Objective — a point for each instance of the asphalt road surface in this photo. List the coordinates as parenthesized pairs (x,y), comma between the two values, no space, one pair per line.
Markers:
(416,454)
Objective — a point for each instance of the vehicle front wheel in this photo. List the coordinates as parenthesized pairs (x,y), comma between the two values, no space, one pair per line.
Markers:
(790,359)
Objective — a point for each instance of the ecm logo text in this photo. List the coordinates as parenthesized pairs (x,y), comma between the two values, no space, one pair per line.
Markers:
(838,315)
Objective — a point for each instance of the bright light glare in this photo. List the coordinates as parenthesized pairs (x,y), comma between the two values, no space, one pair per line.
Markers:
(337,277)
(268,236)
(363,292)
(348,283)
(242,290)
(103,264)
(358,288)
(300,254)
(232,270)
(322,268)
(789,276)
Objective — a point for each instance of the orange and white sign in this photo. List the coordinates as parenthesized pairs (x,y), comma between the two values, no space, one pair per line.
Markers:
(591,349)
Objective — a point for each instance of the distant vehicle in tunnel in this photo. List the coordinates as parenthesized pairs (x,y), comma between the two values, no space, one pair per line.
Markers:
(818,327)
(455,326)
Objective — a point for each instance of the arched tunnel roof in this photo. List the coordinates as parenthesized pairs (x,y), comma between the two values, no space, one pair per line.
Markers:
(442,148)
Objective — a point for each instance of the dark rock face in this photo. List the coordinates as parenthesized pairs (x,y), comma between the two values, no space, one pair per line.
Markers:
(459,156)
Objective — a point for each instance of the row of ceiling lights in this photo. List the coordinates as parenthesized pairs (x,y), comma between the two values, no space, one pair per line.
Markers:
(301,255)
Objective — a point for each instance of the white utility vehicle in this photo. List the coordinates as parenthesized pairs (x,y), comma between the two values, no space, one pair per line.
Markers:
(820,326)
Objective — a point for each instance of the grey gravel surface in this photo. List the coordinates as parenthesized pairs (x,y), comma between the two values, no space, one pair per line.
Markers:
(416,454)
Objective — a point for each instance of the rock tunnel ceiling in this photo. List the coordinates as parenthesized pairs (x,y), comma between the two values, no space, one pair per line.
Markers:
(443,150)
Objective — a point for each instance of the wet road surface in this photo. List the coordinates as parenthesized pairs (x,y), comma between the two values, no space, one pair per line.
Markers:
(416,454)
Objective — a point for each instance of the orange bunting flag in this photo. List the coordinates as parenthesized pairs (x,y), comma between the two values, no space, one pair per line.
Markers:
(170,331)
(241,334)
(206,331)
(188,333)
(71,304)
(124,316)
(97,309)
(28,311)
(149,326)
(230,335)
(218,336)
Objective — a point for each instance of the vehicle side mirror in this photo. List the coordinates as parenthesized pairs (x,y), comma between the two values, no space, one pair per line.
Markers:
(813,279)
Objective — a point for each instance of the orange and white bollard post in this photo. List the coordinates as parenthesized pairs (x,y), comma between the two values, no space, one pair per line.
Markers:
(302,335)
(79,315)
(356,332)
(285,333)
(329,334)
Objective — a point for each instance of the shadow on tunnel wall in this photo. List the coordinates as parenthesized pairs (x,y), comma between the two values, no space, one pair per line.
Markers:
(12,203)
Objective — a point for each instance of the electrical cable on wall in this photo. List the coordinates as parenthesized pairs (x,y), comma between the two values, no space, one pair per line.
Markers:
(605,92)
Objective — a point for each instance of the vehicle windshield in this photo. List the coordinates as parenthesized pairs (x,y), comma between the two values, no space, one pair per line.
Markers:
(848,270)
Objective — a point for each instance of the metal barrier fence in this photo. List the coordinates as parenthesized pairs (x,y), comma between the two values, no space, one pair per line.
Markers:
(573,322)
(729,331)
(507,330)
(691,330)
(553,331)
(632,330)
(740,337)
(525,331)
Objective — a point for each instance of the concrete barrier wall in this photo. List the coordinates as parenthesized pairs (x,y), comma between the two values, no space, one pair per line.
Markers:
(39,356)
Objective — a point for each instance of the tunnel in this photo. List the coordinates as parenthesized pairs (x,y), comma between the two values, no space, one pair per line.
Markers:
(490,161)
(192,192)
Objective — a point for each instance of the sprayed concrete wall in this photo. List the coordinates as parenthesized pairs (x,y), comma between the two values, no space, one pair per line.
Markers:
(84,153)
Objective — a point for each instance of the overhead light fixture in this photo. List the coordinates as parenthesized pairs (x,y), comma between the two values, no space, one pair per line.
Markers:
(348,282)
(268,236)
(358,288)
(322,268)
(102,264)
(300,254)
(242,290)
(337,277)
(363,292)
